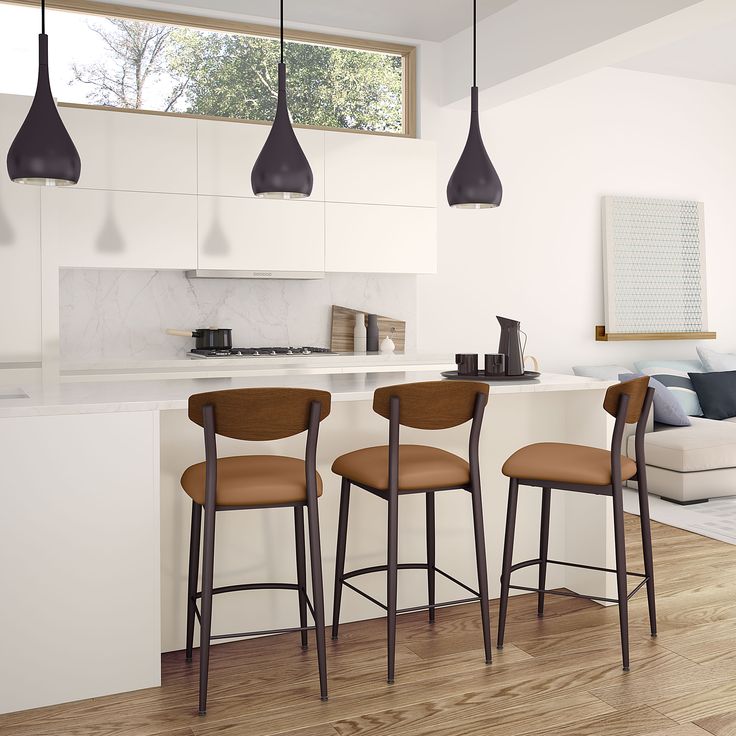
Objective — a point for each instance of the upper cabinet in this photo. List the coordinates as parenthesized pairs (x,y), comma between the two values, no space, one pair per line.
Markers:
(134,152)
(249,234)
(86,228)
(20,250)
(227,150)
(377,169)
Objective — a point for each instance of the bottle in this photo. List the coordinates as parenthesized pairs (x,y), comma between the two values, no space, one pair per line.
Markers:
(359,334)
(372,341)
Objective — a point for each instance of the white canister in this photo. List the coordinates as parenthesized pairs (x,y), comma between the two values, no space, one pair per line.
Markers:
(387,345)
(360,334)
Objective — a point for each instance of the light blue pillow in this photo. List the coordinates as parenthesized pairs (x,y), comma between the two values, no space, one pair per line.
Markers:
(715,362)
(674,375)
(602,372)
(667,409)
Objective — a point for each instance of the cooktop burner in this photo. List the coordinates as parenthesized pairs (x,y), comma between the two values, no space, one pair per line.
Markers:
(258,352)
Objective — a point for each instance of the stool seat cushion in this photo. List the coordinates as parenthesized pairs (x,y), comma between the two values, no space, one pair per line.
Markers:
(252,480)
(562,463)
(421,468)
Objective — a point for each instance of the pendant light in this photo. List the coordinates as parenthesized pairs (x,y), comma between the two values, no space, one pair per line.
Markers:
(43,152)
(281,170)
(474,183)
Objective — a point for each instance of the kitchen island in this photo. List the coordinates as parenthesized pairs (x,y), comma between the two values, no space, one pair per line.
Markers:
(96,527)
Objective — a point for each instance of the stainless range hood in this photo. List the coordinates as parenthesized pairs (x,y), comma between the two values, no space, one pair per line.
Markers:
(212,273)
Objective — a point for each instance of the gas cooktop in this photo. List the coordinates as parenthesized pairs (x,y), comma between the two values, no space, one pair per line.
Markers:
(258,352)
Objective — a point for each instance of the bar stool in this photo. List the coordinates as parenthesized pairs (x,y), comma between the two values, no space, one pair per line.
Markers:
(584,469)
(393,470)
(255,482)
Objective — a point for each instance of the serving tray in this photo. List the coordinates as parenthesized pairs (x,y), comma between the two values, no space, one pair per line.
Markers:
(481,376)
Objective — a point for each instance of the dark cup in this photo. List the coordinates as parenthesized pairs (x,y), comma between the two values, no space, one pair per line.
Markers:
(495,364)
(467,364)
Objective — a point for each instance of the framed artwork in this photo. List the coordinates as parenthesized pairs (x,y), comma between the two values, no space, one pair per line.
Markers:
(654,268)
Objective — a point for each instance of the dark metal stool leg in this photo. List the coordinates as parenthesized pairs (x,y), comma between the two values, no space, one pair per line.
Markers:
(620,541)
(342,540)
(480,560)
(431,557)
(392,579)
(194,540)
(543,548)
(315,561)
(301,570)
(508,554)
(646,543)
(208,565)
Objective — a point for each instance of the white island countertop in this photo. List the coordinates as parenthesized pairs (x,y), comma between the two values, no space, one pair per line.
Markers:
(60,397)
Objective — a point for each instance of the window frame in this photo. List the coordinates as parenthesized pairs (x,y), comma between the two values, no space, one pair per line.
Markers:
(407,53)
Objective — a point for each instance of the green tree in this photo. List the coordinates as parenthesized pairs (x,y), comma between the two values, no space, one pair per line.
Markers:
(236,76)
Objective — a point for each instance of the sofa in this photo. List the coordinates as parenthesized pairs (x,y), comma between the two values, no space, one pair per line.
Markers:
(685,464)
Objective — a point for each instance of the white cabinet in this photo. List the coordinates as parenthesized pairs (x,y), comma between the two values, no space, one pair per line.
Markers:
(96,229)
(239,233)
(380,239)
(133,151)
(226,152)
(375,169)
(20,250)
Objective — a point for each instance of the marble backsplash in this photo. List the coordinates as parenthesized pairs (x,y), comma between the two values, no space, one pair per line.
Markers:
(118,314)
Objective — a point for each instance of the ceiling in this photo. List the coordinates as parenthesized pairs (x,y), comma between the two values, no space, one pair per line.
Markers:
(707,55)
(421,20)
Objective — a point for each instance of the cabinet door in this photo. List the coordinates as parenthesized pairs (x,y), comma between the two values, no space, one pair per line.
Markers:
(96,229)
(238,233)
(380,170)
(134,151)
(20,250)
(227,151)
(380,239)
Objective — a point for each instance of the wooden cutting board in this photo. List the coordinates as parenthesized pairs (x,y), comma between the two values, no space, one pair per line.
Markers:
(343,324)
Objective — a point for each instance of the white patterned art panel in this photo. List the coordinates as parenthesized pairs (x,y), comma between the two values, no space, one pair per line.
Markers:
(654,265)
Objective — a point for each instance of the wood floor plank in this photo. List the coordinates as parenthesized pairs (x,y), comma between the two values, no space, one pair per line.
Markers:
(723,724)
(628,722)
(706,701)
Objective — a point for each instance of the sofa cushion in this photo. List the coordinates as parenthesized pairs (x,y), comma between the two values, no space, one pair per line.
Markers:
(667,409)
(706,445)
(674,375)
(714,361)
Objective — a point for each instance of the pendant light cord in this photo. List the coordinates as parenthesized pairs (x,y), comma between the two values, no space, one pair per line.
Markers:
(475,53)
(282,30)
(43,16)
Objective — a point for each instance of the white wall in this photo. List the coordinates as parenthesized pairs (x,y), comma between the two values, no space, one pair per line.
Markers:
(538,257)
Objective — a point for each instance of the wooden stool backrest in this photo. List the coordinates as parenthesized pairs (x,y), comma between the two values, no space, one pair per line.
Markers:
(431,404)
(636,390)
(259,413)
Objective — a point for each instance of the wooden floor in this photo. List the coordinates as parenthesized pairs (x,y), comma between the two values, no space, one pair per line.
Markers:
(560,675)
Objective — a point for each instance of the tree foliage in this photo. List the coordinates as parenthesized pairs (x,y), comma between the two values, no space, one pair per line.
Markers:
(232,75)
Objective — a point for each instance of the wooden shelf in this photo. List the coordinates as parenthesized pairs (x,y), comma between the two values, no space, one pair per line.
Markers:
(602,336)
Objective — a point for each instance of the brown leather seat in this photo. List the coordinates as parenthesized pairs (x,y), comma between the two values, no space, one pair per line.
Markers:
(420,468)
(562,463)
(252,480)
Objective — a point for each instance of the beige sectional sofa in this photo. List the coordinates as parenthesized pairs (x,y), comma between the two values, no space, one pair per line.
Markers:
(691,464)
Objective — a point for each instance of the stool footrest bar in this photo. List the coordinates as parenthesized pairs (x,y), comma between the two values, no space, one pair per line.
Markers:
(243,634)
(251,586)
(531,563)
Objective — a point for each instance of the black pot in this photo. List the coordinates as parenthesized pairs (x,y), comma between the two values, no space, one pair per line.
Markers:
(208,338)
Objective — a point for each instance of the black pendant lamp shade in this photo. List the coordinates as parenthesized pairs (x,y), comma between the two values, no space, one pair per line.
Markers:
(43,152)
(281,170)
(474,183)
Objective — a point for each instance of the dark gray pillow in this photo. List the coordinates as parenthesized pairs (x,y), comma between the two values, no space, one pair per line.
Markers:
(716,393)
(667,409)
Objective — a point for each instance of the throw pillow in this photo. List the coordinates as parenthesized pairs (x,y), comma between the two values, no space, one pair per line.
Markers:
(667,409)
(675,375)
(716,393)
(714,361)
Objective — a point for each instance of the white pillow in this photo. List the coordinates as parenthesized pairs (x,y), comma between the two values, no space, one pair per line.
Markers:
(715,362)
